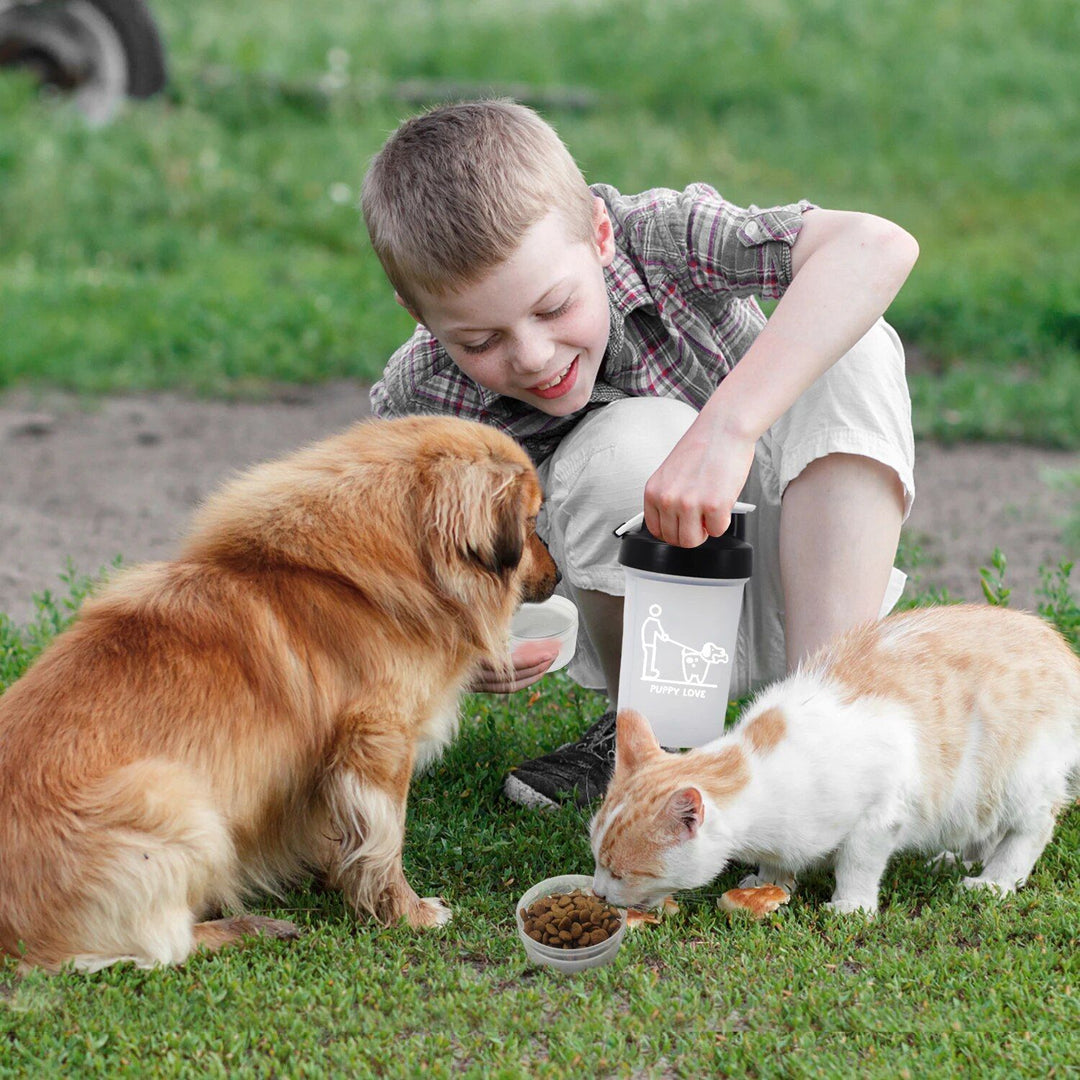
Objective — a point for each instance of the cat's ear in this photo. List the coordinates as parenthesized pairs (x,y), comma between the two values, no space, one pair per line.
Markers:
(686,811)
(634,740)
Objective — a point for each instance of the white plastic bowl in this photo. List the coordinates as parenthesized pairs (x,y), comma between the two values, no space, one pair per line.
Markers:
(567,959)
(555,618)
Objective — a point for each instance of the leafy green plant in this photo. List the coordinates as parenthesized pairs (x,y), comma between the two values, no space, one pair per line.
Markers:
(1058,604)
(992,579)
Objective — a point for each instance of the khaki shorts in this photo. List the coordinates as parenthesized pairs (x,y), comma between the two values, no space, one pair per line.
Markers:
(595,479)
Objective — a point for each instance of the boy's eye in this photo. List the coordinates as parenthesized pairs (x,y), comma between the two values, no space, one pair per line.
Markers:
(488,343)
(481,348)
(554,313)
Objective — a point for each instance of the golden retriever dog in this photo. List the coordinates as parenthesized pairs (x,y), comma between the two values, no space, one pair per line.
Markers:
(218,724)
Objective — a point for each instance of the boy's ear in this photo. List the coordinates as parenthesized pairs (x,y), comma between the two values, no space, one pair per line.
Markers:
(405,304)
(603,233)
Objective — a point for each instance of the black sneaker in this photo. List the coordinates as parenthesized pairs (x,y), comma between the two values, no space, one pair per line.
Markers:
(577,772)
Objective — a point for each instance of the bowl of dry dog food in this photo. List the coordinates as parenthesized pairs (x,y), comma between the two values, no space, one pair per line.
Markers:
(564,926)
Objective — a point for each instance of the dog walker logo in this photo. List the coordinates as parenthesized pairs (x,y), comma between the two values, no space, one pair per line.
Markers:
(670,663)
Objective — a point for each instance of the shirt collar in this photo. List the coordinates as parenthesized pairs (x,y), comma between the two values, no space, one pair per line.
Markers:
(487,397)
(627,291)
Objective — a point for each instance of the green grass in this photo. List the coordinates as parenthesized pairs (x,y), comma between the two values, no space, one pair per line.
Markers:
(943,983)
(209,240)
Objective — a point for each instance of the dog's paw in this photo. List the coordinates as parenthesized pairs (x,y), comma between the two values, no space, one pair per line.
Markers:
(217,933)
(429,911)
(281,929)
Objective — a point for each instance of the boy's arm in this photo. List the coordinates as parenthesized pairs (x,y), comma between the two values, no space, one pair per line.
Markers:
(846,269)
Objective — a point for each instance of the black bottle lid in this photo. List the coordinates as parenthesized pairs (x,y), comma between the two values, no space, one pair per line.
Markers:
(725,556)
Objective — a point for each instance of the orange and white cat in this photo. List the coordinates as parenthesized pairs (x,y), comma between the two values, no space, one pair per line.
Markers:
(951,729)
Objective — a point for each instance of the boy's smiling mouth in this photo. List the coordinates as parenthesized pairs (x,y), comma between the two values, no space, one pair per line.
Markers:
(561,384)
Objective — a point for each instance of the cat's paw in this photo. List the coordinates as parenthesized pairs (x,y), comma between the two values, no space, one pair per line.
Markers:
(997,888)
(769,877)
(946,860)
(867,908)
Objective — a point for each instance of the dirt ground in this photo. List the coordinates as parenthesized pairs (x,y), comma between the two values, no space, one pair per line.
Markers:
(119,477)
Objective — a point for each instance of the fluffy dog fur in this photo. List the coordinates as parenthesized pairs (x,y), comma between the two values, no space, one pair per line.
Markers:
(217,724)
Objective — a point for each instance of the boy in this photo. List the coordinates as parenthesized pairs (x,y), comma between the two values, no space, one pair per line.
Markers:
(618,338)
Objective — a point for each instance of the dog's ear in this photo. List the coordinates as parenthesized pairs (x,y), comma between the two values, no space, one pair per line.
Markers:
(475,515)
(501,550)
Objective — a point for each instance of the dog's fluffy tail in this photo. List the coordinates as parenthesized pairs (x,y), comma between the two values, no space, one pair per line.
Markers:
(130,863)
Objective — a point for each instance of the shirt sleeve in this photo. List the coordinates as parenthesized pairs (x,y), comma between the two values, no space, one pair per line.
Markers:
(379,396)
(732,250)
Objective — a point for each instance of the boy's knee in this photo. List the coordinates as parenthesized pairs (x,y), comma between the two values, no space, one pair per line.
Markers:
(620,454)
(848,467)
(596,480)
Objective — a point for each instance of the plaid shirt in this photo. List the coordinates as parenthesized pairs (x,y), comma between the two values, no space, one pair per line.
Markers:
(681,291)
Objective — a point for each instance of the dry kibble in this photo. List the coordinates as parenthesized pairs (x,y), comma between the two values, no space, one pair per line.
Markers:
(570,920)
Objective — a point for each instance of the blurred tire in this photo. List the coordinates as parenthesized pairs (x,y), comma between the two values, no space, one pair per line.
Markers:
(100,51)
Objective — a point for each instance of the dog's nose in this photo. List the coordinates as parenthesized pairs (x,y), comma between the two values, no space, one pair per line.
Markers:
(558,575)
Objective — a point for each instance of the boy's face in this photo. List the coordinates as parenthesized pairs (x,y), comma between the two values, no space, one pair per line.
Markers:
(536,327)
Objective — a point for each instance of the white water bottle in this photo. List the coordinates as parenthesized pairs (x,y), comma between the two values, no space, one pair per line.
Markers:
(680,626)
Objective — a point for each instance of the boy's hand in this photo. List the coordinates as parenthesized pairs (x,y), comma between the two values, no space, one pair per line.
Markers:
(690,496)
(531,660)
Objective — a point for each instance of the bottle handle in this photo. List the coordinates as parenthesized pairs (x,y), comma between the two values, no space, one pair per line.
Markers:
(637,519)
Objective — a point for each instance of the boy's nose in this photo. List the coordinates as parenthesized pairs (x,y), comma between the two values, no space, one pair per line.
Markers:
(532,354)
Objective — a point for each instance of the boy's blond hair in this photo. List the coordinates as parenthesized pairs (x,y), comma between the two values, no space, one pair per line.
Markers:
(452,192)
